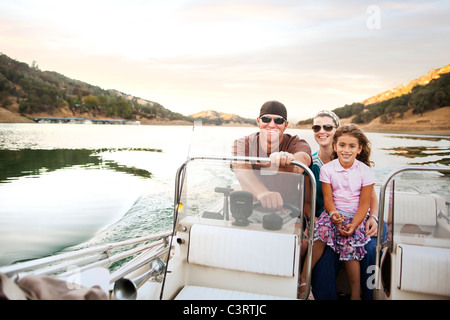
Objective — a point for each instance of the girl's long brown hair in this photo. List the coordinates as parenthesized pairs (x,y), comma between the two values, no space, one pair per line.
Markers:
(355,131)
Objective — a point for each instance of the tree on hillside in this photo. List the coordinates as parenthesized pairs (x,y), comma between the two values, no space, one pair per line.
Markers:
(91,101)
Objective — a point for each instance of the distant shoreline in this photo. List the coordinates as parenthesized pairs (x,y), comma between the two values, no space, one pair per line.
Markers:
(402,130)
(435,122)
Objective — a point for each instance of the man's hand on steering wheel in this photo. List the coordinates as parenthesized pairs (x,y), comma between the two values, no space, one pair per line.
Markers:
(281,159)
(295,211)
(270,200)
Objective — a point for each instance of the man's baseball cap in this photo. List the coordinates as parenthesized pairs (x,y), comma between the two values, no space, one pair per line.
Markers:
(273,107)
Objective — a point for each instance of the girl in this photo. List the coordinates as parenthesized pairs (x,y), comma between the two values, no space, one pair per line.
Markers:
(347,185)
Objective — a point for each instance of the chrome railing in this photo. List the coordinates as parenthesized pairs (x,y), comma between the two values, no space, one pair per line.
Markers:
(89,258)
(384,186)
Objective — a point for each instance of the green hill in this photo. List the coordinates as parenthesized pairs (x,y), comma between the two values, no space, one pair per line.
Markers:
(425,93)
(36,91)
(30,92)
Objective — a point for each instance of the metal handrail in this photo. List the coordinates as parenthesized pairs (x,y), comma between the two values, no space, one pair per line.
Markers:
(122,273)
(384,186)
(382,197)
(102,254)
(178,190)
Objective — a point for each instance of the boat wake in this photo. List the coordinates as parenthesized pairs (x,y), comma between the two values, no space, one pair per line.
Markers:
(43,214)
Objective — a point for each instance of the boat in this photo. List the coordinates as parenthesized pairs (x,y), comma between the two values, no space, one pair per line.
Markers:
(225,246)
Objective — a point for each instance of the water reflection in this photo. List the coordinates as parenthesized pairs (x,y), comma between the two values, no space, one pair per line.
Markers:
(426,138)
(413,152)
(31,162)
(420,152)
(59,208)
(51,199)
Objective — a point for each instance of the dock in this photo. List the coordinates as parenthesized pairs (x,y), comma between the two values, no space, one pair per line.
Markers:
(83,120)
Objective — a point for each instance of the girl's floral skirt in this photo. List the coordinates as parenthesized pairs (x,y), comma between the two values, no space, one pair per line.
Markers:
(348,248)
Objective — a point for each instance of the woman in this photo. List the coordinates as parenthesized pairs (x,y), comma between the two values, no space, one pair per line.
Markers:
(325,271)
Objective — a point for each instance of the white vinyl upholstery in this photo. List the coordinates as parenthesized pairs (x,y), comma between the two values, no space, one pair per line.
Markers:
(415,209)
(423,269)
(204,293)
(243,250)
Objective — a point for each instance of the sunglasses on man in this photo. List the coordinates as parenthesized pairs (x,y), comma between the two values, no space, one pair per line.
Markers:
(326,127)
(277,120)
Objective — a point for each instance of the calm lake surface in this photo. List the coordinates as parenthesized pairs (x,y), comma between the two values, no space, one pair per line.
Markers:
(76,185)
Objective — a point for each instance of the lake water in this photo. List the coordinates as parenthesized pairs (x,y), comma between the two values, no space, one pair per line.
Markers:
(75,185)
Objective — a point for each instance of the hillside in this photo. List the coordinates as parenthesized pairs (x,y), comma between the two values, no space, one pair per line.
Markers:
(430,122)
(418,97)
(406,89)
(27,92)
(435,122)
(221,118)
(30,92)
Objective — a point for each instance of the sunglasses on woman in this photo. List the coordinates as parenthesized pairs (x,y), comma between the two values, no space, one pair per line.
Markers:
(277,120)
(326,127)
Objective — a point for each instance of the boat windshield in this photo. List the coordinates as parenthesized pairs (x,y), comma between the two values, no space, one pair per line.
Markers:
(222,192)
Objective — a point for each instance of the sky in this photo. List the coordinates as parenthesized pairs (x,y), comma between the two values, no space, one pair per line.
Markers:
(232,56)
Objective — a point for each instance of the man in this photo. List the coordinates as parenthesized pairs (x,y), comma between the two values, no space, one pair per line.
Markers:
(266,183)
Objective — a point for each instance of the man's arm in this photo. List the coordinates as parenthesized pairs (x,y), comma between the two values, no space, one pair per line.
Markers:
(250,182)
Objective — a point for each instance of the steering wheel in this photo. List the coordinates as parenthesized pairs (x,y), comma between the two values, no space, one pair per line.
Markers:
(274,221)
(295,211)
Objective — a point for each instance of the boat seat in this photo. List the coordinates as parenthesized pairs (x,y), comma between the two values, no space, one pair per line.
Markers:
(264,253)
(243,250)
(205,293)
(415,209)
(423,269)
